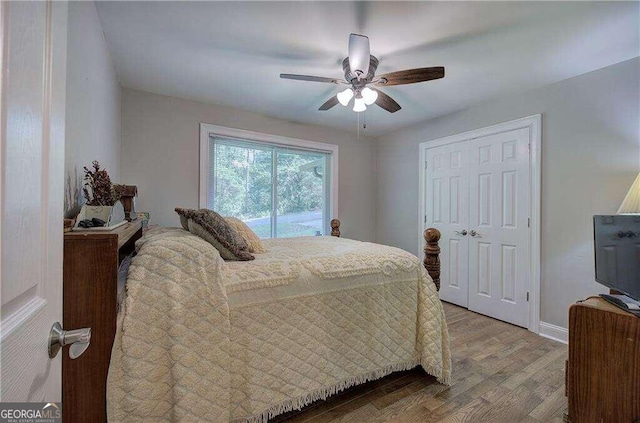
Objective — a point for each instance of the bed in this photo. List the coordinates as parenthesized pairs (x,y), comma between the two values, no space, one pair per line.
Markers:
(203,339)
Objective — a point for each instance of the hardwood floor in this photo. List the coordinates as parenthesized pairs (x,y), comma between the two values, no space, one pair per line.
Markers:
(501,373)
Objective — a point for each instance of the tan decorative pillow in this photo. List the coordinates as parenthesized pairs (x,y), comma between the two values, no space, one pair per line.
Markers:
(250,237)
(212,227)
(184,222)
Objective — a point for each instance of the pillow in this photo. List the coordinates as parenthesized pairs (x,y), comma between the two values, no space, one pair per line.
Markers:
(250,237)
(212,227)
(184,221)
(184,217)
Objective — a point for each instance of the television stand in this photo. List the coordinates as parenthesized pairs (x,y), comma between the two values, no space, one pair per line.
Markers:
(603,370)
(624,302)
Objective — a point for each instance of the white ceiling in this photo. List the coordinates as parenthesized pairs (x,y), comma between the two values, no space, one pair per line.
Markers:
(231,53)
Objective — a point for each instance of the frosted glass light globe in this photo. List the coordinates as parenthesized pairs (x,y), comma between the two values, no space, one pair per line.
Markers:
(359,105)
(345,96)
(370,96)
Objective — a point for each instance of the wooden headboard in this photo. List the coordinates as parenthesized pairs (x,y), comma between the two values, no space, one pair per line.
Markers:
(431,250)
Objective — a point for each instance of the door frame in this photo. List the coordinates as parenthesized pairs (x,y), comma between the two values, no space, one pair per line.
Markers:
(534,123)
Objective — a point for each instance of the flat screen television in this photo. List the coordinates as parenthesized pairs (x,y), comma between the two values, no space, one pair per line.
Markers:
(617,253)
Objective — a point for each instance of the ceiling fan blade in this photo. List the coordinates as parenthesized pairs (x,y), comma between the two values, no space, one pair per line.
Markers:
(411,76)
(359,53)
(386,102)
(329,103)
(311,78)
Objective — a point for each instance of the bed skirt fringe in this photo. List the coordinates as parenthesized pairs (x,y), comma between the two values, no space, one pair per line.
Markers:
(322,394)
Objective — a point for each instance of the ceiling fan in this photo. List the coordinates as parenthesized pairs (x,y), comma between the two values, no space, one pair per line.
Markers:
(360,72)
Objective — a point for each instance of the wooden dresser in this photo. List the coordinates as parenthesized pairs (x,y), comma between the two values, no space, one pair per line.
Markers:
(90,291)
(603,370)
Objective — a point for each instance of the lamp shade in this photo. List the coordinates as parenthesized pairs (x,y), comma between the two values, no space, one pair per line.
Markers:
(631,203)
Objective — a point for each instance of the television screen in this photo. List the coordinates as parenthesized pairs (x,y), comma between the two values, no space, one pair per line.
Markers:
(617,250)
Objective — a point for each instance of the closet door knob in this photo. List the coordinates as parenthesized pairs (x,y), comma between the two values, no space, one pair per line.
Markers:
(474,233)
(461,233)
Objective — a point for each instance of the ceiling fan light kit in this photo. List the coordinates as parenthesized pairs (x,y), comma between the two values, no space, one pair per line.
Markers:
(369,96)
(359,71)
(344,97)
(359,105)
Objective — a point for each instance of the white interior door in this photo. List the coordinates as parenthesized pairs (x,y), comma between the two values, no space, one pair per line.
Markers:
(447,207)
(499,235)
(32,88)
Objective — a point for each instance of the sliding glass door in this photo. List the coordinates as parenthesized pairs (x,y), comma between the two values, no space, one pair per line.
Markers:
(278,191)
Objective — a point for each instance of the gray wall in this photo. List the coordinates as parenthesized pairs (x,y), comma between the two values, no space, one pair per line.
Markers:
(590,157)
(93,100)
(160,151)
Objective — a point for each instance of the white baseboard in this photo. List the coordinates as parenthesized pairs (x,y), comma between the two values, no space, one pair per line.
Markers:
(556,333)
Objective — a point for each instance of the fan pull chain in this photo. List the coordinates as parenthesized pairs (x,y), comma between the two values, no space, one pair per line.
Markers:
(364,121)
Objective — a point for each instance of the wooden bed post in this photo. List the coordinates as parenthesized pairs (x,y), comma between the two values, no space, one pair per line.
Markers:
(335,228)
(432,255)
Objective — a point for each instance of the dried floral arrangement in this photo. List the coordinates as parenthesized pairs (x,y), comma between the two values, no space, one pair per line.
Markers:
(98,189)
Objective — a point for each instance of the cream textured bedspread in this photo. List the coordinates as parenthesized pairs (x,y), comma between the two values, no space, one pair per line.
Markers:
(201,339)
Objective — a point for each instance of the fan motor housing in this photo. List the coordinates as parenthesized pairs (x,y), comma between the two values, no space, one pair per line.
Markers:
(353,79)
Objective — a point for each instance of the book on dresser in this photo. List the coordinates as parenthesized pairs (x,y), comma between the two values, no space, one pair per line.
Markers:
(90,300)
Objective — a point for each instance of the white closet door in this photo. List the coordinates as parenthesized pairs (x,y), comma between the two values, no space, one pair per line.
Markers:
(447,209)
(499,235)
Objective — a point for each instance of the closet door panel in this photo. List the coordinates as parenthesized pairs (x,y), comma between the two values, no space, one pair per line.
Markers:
(447,209)
(499,195)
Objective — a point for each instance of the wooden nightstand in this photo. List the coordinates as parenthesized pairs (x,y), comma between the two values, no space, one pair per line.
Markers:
(603,370)
(90,291)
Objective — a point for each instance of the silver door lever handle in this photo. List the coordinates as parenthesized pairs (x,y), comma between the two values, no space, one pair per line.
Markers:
(474,233)
(461,233)
(78,340)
